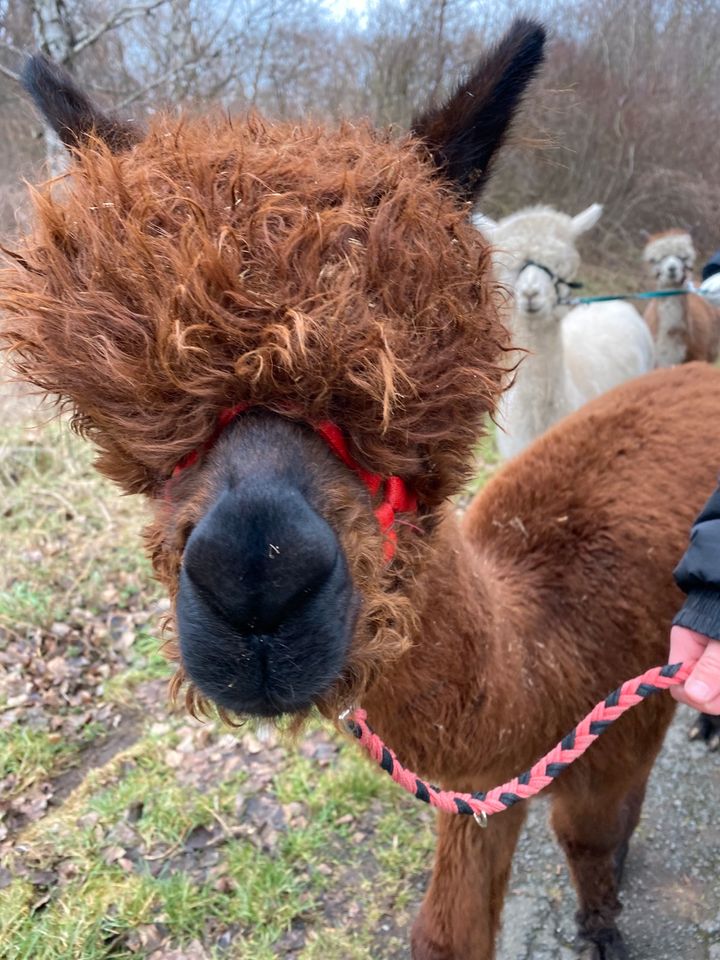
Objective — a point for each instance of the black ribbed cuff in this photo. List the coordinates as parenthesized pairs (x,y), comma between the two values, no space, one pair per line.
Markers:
(701,612)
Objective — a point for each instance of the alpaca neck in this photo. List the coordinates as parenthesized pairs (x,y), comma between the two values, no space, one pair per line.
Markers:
(671,337)
(444,685)
(539,394)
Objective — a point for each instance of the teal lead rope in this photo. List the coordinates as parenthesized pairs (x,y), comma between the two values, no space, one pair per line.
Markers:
(648,295)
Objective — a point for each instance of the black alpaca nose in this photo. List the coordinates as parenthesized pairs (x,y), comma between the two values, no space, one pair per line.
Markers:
(257,554)
(264,608)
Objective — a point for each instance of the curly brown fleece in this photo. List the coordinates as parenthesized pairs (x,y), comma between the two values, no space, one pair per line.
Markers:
(322,271)
(325,274)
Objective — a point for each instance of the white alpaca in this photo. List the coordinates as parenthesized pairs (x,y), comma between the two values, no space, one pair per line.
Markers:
(573,354)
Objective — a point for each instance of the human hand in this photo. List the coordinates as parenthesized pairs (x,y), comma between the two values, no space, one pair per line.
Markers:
(701,690)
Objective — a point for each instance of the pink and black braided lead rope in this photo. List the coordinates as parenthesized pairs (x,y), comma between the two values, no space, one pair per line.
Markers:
(483,805)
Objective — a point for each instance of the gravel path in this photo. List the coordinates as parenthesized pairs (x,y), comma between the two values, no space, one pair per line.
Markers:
(671,889)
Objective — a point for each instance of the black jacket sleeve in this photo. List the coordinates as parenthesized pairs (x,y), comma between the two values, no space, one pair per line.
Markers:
(698,573)
(712,266)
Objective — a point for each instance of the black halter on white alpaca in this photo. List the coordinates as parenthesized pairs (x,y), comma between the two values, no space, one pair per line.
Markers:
(557,280)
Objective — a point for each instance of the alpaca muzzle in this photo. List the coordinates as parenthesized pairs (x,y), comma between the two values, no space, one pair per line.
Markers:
(265,606)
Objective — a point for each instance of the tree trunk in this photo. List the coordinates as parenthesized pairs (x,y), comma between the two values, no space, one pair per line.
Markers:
(54,36)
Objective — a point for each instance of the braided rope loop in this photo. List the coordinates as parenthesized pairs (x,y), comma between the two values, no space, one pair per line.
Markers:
(539,776)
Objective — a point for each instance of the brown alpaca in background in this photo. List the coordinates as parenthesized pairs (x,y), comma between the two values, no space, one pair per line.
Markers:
(684,328)
(333,275)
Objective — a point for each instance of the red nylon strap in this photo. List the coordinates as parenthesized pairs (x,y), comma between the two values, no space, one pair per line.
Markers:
(396,496)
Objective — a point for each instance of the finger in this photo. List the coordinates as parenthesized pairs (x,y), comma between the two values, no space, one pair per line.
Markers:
(678,693)
(686,645)
(703,685)
(712,707)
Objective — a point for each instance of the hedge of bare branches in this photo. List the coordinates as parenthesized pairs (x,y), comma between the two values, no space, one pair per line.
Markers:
(627,111)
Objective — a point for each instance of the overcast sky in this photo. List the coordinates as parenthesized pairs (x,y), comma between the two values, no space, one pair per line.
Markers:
(342,6)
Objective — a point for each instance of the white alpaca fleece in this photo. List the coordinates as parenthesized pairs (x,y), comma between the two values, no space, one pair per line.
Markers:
(571,357)
(670,244)
(540,233)
(591,350)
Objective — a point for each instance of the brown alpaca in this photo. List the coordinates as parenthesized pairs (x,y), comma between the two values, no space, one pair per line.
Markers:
(684,328)
(332,275)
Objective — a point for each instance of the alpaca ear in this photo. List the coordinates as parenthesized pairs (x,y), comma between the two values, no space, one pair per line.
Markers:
(587,219)
(464,133)
(70,113)
(486,225)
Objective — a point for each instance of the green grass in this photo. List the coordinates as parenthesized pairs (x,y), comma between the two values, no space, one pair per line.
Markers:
(145,662)
(487,460)
(24,603)
(29,755)
(73,558)
(67,531)
(107,906)
(263,891)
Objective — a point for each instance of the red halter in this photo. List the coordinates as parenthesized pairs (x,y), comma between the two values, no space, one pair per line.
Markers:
(396,496)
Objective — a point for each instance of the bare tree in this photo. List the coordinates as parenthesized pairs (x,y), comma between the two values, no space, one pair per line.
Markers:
(62,33)
(625,111)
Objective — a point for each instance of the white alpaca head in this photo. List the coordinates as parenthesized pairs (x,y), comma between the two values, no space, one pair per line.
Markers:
(536,255)
(670,257)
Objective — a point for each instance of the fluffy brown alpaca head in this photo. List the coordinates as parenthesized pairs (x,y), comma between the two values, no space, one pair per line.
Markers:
(313,274)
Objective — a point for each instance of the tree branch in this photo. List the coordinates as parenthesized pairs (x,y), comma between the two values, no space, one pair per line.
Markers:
(11,48)
(168,75)
(138,94)
(118,19)
(9,73)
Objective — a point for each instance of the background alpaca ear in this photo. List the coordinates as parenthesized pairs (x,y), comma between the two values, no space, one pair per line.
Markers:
(70,113)
(464,133)
(486,225)
(587,219)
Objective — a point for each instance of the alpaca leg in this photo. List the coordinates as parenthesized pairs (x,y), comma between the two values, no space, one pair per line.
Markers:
(630,811)
(460,916)
(706,727)
(594,830)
